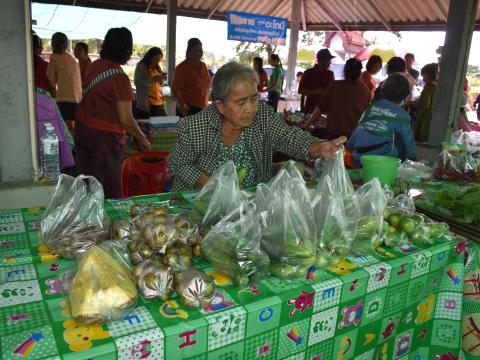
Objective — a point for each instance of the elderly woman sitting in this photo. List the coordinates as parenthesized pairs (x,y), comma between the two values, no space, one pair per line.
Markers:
(385,128)
(237,127)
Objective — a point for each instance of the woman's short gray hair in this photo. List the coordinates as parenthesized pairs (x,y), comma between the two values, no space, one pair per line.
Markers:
(227,75)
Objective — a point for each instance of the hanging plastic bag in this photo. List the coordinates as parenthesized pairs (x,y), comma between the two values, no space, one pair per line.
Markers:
(371,205)
(74,219)
(233,246)
(336,171)
(335,216)
(288,227)
(101,288)
(219,197)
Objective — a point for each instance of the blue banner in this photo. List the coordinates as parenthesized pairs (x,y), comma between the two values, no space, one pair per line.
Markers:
(256,28)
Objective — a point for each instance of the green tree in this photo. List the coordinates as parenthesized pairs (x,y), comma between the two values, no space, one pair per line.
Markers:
(246,51)
(309,38)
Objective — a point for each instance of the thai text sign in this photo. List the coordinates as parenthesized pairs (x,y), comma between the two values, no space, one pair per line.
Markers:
(256,28)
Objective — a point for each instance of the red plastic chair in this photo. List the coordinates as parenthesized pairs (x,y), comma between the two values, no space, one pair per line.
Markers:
(144,173)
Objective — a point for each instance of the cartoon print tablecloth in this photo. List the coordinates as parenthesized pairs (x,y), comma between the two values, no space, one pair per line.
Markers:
(402,303)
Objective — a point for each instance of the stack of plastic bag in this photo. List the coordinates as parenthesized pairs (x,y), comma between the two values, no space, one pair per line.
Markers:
(371,205)
(219,197)
(74,219)
(336,211)
(233,246)
(288,226)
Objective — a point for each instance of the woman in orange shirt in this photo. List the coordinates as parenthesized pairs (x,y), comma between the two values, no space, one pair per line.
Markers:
(148,80)
(262,74)
(374,65)
(191,81)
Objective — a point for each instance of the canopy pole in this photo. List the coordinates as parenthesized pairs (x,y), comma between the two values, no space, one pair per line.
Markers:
(292,51)
(171,38)
(453,67)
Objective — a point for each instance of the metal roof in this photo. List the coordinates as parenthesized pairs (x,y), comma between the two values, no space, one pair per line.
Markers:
(327,15)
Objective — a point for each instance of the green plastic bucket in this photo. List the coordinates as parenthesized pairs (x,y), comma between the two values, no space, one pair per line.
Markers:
(382,167)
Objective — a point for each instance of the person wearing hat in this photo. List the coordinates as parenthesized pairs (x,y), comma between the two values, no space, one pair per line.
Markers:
(315,80)
(191,81)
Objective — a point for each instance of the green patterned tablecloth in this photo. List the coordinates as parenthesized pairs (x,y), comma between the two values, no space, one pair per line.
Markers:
(397,303)
(162,140)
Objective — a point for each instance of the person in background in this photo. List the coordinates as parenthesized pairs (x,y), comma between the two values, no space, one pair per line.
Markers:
(81,53)
(424,104)
(148,80)
(237,127)
(275,83)
(296,81)
(343,101)
(409,60)
(40,67)
(105,114)
(191,81)
(385,127)
(262,74)
(315,80)
(396,65)
(374,65)
(64,74)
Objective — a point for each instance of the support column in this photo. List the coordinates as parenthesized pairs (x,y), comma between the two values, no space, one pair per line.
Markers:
(171,38)
(292,50)
(16,94)
(453,67)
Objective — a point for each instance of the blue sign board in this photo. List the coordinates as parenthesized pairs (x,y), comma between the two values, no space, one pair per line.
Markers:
(256,28)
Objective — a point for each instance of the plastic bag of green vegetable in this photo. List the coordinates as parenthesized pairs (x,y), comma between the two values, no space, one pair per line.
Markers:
(233,246)
(219,196)
(371,205)
(335,216)
(336,171)
(288,227)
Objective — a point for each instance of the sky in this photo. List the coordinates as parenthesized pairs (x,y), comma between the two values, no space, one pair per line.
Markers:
(150,29)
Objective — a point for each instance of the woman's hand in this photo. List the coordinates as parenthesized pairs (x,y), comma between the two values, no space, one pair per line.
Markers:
(144,144)
(326,149)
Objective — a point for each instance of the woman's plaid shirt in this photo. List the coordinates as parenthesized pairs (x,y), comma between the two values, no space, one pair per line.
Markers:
(199,136)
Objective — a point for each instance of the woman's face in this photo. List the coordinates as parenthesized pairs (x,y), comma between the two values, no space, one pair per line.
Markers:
(272,62)
(376,68)
(240,108)
(195,53)
(255,65)
(156,60)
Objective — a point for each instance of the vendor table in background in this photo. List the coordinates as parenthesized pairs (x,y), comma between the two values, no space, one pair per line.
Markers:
(162,139)
(397,303)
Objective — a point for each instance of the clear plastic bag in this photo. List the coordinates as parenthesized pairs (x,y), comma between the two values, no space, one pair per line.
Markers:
(288,227)
(220,196)
(101,289)
(194,287)
(233,246)
(413,171)
(371,205)
(457,164)
(154,280)
(74,219)
(335,216)
(336,171)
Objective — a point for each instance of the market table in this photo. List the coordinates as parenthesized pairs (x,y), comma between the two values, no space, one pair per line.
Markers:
(397,303)
(162,139)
